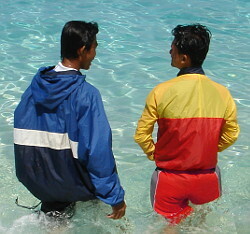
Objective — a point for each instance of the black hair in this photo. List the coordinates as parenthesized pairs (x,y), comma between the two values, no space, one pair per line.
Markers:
(76,34)
(192,40)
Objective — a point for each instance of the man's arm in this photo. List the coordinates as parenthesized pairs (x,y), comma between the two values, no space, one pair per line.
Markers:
(145,127)
(230,130)
(95,151)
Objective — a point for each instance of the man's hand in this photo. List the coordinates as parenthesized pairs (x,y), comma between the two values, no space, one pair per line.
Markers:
(118,211)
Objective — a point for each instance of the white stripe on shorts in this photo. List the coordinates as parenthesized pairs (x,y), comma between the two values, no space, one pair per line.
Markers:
(153,186)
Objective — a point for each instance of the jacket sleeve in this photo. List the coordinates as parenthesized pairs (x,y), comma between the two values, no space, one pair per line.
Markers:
(145,127)
(230,129)
(95,151)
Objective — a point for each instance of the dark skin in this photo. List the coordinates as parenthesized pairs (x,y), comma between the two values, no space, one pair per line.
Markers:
(83,61)
(118,211)
(179,60)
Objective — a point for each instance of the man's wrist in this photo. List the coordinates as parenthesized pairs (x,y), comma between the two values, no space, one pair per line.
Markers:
(121,204)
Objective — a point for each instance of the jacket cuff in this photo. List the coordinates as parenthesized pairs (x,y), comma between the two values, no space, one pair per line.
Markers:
(151,157)
(118,203)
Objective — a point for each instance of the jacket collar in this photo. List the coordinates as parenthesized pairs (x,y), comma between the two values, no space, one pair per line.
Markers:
(191,70)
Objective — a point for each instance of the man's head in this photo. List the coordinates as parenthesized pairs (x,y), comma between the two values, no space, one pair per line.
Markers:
(190,45)
(79,39)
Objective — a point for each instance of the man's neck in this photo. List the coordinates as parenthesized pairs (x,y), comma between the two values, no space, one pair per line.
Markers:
(191,70)
(71,63)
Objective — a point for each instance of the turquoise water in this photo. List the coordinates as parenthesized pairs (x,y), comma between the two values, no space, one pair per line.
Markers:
(132,57)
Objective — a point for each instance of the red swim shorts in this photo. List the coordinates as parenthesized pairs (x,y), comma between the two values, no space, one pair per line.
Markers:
(172,191)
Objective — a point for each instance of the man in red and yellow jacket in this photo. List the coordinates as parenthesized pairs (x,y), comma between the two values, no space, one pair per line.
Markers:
(196,119)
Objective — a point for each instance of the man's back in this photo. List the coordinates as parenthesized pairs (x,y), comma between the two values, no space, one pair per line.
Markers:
(46,129)
(190,111)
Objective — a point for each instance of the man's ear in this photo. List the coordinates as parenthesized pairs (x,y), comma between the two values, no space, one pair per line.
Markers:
(81,51)
(186,60)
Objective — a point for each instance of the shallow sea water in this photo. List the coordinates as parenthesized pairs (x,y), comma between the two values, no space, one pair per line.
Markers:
(132,57)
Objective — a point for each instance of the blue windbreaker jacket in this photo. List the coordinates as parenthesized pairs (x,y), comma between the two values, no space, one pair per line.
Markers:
(63,141)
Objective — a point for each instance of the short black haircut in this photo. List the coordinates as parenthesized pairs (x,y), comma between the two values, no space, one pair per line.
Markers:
(192,40)
(76,34)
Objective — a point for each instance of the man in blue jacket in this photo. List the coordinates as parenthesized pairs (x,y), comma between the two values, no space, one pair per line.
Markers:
(62,138)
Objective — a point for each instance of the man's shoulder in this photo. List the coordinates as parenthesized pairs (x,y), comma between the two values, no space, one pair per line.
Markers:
(89,88)
(87,91)
(166,84)
(219,86)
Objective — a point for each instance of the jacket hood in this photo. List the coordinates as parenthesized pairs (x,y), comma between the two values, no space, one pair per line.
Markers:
(50,88)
